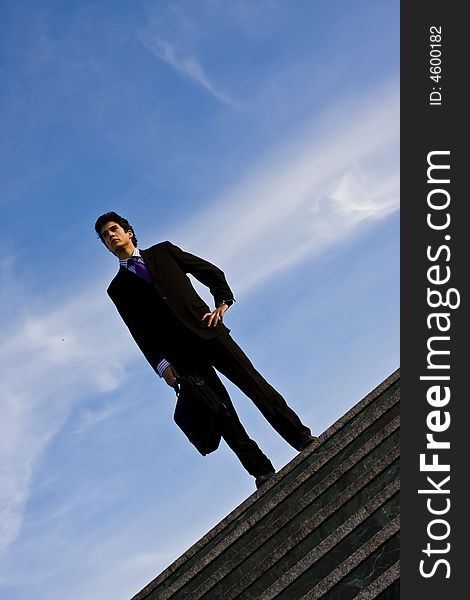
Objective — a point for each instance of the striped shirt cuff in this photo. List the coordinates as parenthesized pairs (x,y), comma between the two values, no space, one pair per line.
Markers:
(162,365)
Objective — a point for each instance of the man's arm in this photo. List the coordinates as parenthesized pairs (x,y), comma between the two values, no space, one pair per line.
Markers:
(205,272)
(145,338)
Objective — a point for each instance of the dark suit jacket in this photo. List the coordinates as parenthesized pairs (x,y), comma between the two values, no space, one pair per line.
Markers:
(157,313)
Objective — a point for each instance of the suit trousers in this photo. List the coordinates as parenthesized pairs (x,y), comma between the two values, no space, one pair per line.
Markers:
(228,358)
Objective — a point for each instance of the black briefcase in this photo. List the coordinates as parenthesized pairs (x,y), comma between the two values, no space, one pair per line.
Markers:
(197,413)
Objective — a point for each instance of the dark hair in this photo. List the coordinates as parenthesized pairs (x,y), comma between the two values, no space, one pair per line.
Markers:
(115,218)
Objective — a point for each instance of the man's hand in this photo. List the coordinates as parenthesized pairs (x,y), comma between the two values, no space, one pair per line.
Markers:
(170,375)
(215,317)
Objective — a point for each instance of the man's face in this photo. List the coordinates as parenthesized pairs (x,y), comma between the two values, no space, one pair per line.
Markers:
(116,238)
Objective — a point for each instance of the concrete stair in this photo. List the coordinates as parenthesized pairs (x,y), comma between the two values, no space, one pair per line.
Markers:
(326,526)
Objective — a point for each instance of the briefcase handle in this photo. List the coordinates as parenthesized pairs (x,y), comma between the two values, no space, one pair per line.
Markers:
(192,379)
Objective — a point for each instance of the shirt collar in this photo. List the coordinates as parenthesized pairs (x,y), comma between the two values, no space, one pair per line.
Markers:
(123,261)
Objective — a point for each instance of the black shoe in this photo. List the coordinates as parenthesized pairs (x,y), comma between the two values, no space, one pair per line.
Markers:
(263,479)
(305,443)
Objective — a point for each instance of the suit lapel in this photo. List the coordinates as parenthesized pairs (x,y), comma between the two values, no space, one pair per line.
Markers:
(152,262)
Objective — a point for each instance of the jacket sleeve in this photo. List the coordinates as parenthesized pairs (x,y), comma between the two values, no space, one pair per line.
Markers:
(145,339)
(204,271)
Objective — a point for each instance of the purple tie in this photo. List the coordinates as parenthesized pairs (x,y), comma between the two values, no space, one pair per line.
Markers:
(140,267)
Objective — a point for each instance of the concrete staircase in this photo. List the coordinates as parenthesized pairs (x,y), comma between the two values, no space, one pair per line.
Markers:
(326,526)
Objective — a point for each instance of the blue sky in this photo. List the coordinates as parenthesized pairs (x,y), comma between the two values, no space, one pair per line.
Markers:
(263,136)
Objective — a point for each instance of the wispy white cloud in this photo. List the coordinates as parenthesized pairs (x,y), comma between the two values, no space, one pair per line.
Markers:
(89,418)
(49,362)
(313,191)
(185,65)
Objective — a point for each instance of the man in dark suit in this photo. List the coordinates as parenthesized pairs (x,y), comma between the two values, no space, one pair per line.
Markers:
(178,333)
